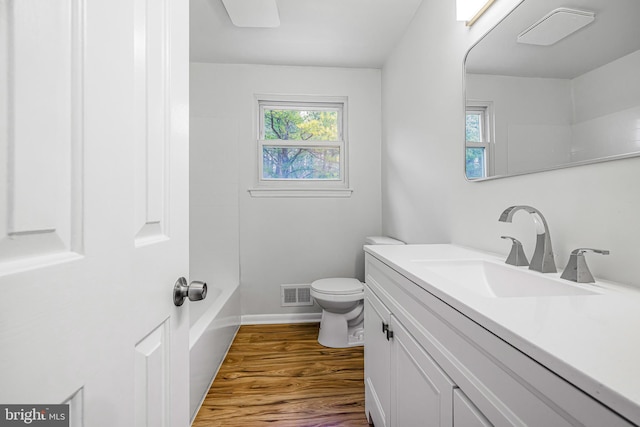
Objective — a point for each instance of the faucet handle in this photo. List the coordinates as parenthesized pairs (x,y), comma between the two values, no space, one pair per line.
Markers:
(516,256)
(581,251)
(577,269)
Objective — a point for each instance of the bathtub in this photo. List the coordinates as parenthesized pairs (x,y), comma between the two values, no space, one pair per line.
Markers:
(209,339)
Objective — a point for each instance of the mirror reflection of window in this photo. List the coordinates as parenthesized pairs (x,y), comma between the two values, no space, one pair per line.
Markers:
(478,138)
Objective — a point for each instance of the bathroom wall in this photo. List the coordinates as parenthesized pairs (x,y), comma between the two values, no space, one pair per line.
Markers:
(619,78)
(426,198)
(607,103)
(214,225)
(288,240)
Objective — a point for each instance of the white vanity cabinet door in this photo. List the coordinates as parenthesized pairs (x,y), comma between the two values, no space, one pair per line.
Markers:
(422,393)
(377,356)
(465,413)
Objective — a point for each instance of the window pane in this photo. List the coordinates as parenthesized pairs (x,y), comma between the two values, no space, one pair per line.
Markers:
(301,163)
(474,127)
(475,163)
(300,125)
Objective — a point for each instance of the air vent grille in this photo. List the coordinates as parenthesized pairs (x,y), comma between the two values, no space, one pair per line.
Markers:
(295,295)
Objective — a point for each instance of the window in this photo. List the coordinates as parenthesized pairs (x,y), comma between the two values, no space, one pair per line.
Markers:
(301,146)
(478,156)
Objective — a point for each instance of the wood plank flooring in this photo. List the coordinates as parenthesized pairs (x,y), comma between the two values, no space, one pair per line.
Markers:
(278,375)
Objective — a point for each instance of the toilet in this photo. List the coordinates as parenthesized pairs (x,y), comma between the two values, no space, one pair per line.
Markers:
(342,303)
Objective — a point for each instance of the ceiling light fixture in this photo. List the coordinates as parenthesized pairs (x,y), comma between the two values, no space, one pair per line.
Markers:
(470,10)
(253,13)
(555,26)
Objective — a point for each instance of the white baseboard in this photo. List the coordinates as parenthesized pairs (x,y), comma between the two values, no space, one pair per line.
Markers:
(272,319)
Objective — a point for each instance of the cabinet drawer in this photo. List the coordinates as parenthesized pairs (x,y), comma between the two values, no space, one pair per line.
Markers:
(507,386)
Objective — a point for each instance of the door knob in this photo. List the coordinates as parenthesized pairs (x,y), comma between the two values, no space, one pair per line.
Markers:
(195,291)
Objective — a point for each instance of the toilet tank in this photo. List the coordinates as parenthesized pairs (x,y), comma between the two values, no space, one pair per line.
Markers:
(382,240)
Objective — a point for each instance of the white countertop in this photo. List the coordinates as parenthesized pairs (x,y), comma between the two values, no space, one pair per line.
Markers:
(592,341)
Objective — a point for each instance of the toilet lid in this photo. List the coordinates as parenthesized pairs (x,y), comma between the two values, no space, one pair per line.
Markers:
(338,286)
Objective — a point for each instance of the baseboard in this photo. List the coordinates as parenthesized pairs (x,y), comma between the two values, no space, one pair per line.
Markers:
(272,319)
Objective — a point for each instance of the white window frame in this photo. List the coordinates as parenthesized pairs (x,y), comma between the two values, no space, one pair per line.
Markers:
(275,187)
(487,125)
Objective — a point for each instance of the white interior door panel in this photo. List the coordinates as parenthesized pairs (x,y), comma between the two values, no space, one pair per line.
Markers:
(94,208)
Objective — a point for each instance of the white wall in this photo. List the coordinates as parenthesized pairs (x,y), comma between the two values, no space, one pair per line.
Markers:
(290,240)
(607,109)
(607,89)
(425,196)
(214,230)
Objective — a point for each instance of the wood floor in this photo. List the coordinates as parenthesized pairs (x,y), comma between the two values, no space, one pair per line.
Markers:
(278,375)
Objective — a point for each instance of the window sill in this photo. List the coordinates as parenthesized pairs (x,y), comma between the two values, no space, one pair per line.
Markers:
(298,192)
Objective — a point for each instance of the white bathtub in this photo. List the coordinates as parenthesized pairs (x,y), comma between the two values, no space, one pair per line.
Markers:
(209,339)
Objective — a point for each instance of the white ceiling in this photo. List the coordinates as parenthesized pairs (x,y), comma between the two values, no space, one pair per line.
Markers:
(335,33)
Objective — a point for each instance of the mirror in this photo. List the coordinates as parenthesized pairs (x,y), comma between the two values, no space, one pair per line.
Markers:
(533,107)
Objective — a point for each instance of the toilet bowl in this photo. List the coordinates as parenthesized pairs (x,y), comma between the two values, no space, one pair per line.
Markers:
(342,303)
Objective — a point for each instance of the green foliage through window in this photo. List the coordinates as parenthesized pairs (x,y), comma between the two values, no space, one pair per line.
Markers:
(300,125)
(316,157)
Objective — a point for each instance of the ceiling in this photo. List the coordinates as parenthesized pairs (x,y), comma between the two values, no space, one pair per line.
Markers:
(614,33)
(332,33)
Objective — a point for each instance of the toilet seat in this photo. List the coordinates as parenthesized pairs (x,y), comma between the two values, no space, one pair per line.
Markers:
(338,286)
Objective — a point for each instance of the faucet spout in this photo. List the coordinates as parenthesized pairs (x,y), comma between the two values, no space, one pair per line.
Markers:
(542,259)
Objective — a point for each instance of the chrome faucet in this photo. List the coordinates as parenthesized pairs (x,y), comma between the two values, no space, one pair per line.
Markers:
(542,259)
(516,256)
(577,269)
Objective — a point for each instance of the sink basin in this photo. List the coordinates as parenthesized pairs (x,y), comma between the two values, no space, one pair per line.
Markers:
(493,280)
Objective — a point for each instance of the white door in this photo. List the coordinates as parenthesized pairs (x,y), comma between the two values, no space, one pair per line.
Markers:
(94,208)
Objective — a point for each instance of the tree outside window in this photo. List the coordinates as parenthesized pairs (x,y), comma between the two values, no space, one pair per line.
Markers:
(300,162)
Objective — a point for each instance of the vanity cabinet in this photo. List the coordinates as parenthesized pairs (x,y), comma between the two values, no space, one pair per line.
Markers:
(421,390)
(465,413)
(377,356)
(426,364)
(404,384)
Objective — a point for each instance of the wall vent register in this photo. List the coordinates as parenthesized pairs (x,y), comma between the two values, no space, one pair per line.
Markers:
(295,295)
